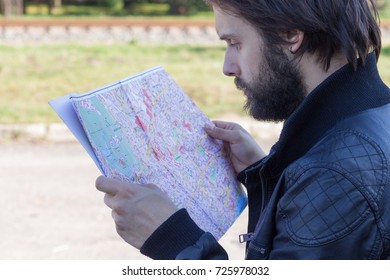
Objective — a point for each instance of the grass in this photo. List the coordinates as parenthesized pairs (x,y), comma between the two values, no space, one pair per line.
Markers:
(384,12)
(79,10)
(69,10)
(32,75)
(159,10)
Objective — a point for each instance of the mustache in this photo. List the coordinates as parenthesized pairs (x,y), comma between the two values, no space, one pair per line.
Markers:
(240,84)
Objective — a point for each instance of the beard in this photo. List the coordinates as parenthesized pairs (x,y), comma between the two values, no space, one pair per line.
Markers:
(277,90)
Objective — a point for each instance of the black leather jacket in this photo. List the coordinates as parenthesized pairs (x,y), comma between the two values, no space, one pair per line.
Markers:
(323,192)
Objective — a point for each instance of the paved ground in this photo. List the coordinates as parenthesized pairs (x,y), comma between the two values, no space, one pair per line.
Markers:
(50,208)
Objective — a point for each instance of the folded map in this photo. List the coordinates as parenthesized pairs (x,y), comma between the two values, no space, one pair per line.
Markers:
(145,129)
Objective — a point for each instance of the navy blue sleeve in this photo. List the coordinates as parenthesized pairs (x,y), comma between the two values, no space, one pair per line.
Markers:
(206,248)
(180,238)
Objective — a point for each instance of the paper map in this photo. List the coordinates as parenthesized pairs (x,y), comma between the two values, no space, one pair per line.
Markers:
(145,129)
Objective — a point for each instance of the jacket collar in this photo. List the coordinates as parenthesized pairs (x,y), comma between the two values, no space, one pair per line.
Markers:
(343,94)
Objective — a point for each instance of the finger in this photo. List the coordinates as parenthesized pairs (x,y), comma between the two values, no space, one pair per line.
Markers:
(108,200)
(228,125)
(107,185)
(222,132)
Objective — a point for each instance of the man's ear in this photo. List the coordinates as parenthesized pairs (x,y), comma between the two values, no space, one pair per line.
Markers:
(294,39)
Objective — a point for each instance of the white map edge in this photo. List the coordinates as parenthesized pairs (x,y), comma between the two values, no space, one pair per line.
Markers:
(64,109)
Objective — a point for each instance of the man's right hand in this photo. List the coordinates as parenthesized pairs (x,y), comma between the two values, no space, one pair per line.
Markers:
(239,144)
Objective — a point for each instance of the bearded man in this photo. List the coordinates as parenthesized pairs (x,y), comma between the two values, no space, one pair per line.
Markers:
(323,191)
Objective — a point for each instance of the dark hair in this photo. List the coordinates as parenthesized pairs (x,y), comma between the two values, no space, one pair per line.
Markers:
(330,26)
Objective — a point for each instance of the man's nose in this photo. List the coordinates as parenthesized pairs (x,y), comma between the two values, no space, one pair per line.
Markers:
(230,67)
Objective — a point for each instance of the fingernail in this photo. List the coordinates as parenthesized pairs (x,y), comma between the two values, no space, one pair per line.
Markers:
(208,127)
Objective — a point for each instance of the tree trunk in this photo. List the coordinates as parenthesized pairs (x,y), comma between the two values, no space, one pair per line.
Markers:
(12,7)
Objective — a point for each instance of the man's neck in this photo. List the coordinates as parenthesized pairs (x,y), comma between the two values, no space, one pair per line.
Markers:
(313,72)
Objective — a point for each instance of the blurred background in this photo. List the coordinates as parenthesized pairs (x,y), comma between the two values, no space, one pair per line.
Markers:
(50,208)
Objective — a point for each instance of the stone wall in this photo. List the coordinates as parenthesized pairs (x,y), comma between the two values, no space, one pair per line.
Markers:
(109,34)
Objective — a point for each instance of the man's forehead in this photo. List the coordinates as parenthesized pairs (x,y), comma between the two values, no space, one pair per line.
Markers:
(230,26)
(227,24)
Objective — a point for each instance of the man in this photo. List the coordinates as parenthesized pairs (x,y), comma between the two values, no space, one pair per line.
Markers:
(323,192)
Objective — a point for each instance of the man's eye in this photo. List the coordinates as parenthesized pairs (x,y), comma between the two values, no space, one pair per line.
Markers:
(233,43)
